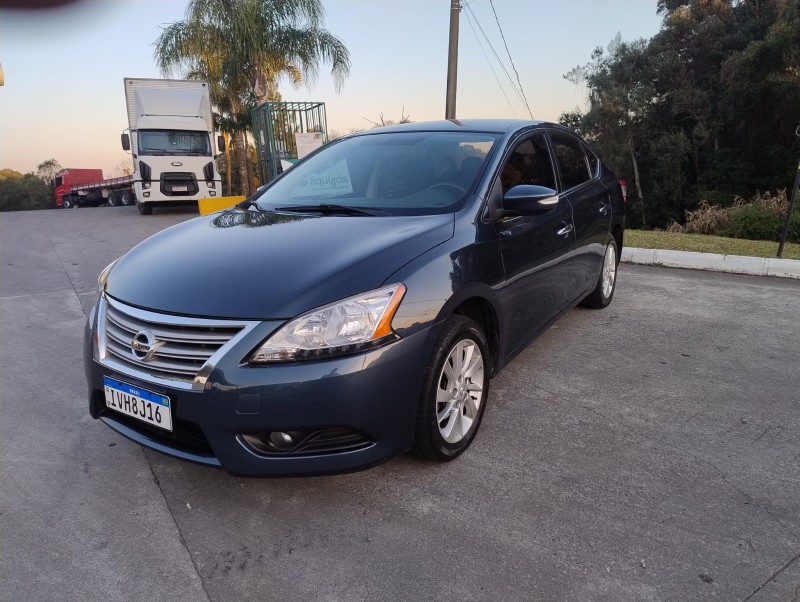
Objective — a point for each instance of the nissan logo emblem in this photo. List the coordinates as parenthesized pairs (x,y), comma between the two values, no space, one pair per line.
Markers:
(144,345)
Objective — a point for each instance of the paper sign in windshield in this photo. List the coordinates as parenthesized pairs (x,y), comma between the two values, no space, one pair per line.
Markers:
(307,142)
(333,181)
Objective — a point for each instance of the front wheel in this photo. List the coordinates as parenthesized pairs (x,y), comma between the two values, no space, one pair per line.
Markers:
(145,208)
(601,296)
(66,203)
(454,392)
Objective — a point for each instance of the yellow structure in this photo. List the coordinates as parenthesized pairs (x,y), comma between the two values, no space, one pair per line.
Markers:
(214,204)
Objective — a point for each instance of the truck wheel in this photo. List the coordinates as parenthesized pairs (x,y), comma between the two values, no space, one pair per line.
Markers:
(145,208)
(126,196)
(66,203)
(113,199)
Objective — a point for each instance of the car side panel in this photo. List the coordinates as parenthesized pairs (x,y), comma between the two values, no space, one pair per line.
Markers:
(591,205)
(540,278)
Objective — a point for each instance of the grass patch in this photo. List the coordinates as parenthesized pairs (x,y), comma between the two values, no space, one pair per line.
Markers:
(704,243)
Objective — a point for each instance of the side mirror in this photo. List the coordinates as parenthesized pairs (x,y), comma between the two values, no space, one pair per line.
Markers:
(528,199)
(221,143)
(126,142)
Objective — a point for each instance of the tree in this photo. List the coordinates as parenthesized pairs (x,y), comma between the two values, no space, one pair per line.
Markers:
(384,122)
(620,98)
(704,110)
(24,193)
(10,174)
(47,170)
(243,47)
(124,168)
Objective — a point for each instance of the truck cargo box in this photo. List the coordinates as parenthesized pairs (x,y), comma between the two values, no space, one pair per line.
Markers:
(168,103)
(73,176)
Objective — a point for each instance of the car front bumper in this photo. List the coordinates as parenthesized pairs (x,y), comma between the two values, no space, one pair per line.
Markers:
(372,396)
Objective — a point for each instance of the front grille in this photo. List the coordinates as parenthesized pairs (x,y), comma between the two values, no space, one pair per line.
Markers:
(182,345)
(179,184)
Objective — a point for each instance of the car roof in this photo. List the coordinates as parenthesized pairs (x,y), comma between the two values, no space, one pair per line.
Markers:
(494,126)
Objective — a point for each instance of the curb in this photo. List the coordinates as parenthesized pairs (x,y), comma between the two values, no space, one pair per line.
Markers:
(713,262)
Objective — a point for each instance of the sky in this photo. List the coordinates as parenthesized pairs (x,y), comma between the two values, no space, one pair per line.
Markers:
(63,95)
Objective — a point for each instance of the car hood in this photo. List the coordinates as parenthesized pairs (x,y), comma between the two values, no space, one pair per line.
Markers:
(265,265)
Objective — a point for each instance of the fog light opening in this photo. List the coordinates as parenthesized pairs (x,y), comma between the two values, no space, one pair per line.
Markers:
(281,440)
(273,442)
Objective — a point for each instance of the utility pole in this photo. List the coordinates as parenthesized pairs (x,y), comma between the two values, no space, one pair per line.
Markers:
(452,61)
(792,201)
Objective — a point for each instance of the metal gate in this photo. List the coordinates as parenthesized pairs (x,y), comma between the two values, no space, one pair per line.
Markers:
(274,127)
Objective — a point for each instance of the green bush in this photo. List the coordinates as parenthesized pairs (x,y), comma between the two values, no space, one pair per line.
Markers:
(25,193)
(752,222)
(761,218)
(794,227)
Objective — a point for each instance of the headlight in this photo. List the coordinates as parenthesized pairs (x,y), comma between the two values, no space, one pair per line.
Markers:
(103,277)
(348,326)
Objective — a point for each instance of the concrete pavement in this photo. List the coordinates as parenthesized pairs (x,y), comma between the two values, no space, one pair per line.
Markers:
(648,451)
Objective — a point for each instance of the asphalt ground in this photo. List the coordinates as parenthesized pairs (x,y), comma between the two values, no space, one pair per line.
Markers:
(645,452)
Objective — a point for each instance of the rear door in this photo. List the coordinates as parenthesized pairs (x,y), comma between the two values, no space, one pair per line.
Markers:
(535,248)
(591,208)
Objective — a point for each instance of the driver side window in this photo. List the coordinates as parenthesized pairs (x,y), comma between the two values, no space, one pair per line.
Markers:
(529,164)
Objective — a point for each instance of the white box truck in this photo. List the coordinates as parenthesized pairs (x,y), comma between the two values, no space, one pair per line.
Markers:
(170,135)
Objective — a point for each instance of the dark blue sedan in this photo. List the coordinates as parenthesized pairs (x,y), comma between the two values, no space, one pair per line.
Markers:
(358,306)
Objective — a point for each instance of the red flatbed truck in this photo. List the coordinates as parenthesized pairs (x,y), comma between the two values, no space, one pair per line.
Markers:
(87,187)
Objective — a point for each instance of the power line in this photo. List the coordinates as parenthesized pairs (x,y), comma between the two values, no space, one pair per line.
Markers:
(497,79)
(491,3)
(496,56)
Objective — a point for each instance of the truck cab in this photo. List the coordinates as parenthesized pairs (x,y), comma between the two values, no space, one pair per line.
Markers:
(67,179)
(171,139)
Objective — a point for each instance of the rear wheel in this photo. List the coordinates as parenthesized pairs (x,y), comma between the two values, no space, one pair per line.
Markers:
(607,282)
(126,196)
(113,199)
(454,392)
(145,208)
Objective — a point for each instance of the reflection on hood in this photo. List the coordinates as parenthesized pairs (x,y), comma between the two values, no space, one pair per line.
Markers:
(253,219)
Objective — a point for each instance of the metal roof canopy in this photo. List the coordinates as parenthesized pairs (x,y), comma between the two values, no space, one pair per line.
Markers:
(274,127)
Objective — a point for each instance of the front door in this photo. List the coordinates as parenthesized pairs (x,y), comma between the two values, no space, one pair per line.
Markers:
(534,247)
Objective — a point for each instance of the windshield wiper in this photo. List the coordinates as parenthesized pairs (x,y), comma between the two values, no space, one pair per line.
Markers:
(329,209)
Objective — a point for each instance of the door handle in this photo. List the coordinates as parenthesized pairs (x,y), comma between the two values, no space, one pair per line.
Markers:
(565,230)
(603,209)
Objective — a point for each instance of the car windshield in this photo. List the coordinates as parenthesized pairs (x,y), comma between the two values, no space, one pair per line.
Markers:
(174,142)
(408,173)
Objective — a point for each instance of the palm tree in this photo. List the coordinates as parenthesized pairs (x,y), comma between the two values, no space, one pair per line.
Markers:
(243,48)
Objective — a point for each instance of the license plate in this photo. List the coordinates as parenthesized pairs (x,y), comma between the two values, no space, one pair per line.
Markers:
(180,189)
(147,406)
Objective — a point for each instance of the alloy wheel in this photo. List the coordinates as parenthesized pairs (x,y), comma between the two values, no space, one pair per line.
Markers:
(609,270)
(460,391)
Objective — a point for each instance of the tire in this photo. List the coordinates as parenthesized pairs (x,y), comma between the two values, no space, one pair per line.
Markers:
(145,208)
(126,196)
(450,410)
(113,199)
(66,203)
(602,294)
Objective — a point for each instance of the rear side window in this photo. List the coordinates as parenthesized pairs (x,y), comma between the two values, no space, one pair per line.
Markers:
(529,164)
(593,161)
(571,161)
